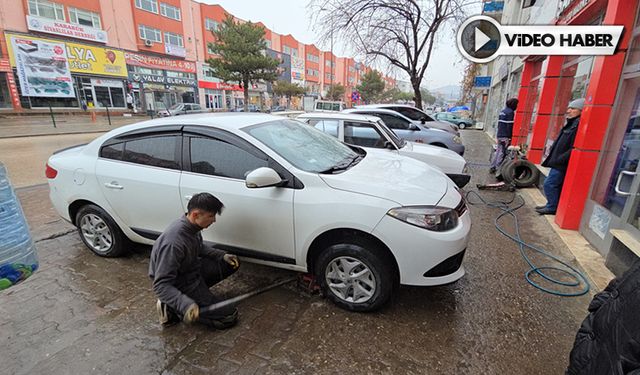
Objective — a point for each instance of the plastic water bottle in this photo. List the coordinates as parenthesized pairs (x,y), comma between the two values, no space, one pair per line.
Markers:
(18,259)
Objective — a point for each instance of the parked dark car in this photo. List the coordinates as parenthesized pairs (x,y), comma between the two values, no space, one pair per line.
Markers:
(417,116)
(454,119)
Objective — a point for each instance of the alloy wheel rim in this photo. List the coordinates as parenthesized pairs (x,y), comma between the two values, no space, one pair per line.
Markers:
(350,279)
(96,233)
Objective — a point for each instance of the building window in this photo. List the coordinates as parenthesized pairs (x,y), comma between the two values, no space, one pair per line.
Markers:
(150,33)
(170,11)
(173,39)
(83,17)
(210,49)
(148,5)
(210,24)
(286,50)
(46,9)
(352,69)
(313,58)
(171,73)
(327,62)
(268,42)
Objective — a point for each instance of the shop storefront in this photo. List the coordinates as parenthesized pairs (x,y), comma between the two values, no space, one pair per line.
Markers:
(159,83)
(611,218)
(215,94)
(598,195)
(73,75)
(9,97)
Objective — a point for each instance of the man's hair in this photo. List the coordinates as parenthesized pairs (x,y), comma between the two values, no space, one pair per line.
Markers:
(512,103)
(205,202)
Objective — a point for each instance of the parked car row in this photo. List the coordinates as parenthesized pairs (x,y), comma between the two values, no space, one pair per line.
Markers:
(363,215)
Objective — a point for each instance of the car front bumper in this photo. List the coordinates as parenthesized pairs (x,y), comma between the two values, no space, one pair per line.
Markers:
(421,253)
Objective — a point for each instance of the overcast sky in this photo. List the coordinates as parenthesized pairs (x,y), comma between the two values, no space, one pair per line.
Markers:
(291,17)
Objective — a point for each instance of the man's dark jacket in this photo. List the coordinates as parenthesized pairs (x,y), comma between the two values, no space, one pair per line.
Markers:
(608,341)
(175,263)
(505,123)
(561,149)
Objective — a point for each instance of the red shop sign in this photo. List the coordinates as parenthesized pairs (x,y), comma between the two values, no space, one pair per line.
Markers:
(157,62)
(219,86)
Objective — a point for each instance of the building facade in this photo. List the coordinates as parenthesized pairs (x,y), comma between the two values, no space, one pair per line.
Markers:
(138,55)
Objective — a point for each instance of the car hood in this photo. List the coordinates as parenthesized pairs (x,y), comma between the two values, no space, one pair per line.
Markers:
(446,160)
(396,178)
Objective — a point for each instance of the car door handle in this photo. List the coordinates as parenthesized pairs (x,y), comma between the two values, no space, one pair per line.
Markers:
(114,185)
(617,187)
(188,197)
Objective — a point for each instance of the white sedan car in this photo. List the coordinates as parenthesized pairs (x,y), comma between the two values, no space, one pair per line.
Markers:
(294,198)
(370,132)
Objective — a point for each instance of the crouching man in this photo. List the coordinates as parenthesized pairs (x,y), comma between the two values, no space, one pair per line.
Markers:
(183,268)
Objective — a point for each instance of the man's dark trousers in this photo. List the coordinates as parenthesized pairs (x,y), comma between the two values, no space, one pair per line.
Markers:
(552,188)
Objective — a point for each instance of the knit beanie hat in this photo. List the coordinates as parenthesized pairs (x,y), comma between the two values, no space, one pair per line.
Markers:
(577,104)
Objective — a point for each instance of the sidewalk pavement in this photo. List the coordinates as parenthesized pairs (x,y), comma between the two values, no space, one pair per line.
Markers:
(27,126)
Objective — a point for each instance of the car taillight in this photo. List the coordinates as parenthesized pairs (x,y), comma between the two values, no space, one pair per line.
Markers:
(50,172)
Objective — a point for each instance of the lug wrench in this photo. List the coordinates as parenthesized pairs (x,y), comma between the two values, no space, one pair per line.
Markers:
(241,297)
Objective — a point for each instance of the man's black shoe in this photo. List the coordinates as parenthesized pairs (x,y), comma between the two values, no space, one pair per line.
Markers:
(225,322)
(546,211)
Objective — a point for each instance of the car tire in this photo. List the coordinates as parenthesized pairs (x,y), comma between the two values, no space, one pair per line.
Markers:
(99,232)
(520,172)
(367,292)
(462,125)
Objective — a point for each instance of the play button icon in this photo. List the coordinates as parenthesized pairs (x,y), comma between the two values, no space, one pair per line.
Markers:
(479,39)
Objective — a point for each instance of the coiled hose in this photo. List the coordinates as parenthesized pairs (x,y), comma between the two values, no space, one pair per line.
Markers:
(577,279)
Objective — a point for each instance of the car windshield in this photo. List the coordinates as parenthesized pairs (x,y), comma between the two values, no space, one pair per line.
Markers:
(176,107)
(394,138)
(303,146)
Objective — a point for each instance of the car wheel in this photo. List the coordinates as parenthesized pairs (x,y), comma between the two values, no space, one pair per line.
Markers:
(99,232)
(355,277)
(462,125)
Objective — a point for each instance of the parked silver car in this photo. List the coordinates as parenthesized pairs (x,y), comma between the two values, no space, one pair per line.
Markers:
(417,116)
(410,131)
(181,109)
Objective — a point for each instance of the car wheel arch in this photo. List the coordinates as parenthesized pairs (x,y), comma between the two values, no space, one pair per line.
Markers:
(76,205)
(339,235)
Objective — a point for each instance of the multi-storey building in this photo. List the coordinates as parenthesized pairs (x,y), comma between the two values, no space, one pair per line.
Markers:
(141,54)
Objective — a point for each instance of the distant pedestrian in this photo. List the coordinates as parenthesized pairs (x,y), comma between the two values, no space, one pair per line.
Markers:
(558,158)
(129,101)
(83,104)
(505,132)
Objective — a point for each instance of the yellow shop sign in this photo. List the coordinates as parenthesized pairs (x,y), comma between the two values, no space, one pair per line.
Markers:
(85,58)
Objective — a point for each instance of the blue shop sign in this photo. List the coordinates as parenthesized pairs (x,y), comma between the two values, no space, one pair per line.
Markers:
(482,81)
(493,7)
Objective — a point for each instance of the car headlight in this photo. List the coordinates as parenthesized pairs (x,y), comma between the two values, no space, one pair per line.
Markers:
(457,139)
(438,219)
(465,169)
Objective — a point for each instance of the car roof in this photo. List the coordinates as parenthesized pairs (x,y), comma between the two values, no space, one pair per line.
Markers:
(222,120)
(388,105)
(340,116)
(374,109)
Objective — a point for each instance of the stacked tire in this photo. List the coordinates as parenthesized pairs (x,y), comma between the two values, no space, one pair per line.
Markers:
(519,172)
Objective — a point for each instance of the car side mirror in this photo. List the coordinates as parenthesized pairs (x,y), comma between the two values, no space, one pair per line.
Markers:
(263,177)
(414,127)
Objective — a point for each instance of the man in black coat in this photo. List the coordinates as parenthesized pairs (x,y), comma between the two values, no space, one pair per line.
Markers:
(608,341)
(183,268)
(558,158)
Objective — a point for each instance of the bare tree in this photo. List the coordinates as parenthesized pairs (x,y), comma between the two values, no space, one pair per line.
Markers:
(400,32)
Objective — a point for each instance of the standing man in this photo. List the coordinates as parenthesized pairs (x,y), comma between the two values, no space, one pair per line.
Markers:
(558,158)
(505,132)
(183,268)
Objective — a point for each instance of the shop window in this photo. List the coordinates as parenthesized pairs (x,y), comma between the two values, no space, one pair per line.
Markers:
(621,150)
(150,33)
(215,157)
(142,70)
(573,84)
(46,9)
(5,96)
(173,39)
(170,11)
(155,152)
(83,17)
(171,73)
(148,5)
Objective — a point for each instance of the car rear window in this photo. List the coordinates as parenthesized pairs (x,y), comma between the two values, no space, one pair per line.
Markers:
(153,151)
(112,151)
